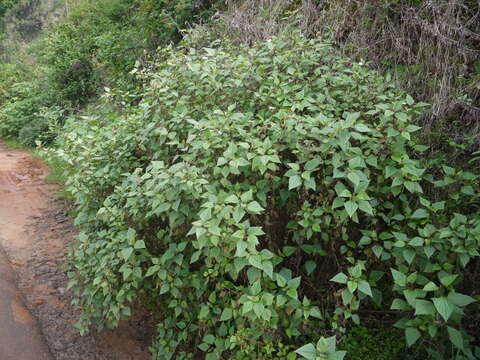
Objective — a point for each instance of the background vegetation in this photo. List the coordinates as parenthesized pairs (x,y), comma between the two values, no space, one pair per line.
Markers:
(272,179)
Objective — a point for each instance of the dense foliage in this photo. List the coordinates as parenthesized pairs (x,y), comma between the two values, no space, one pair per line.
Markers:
(261,199)
(95,46)
(5,5)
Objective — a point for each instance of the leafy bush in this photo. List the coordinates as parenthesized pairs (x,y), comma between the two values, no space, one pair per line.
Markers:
(163,20)
(68,52)
(9,75)
(363,343)
(5,5)
(96,45)
(25,101)
(44,128)
(260,198)
(26,110)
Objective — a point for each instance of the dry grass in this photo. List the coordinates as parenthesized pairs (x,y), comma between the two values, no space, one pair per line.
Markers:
(250,21)
(431,47)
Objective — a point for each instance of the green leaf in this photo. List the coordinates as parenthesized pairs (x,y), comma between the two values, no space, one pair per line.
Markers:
(399,277)
(351,207)
(294,182)
(152,270)
(315,312)
(232,199)
(340,278)
(311,184)
(365,207)
(416,241)
(203,346)
(364,287)
(351,117)
(468,190)
(267,266)
(255,260)
(345,193)
(354,178)
(195,256)
(402,116)
(410,100)
(460,299)
(338,355)
(347,296)
(307,351)
(131,233)
(209,339)
(377,250)
(254,207)
(140,244)
(238,214)
(362,128)
(455,337)
(432,330)
(310,266)
(408,255)
(412,335)
(256,287)
(352,286)
(399,304)
(204,311)
(212,356)
(327,345)
(338,202)
(312,164)
(420,214)
(429,251)
(431,286)
(226,314)
(164,289)
(424,307)
(448,279)
(127,252)
(448,170)
(444,307)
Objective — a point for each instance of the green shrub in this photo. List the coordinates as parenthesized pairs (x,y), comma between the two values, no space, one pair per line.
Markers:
(163,20)
(31,132)
(25,100)
(362,343)
(68,58)
(95,46)
(5,5)
(43,128)
(261,198)
(10,74)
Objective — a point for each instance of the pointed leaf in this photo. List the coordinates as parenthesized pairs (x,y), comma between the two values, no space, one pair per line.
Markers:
(307,351)
(340,278)
(294,182)
(444,307)
(366,207)
(351,207)
(460,299)
(412,335)
(420,214)
(364,287)
(226,314)
(455,337)
(354,178)
(254,207)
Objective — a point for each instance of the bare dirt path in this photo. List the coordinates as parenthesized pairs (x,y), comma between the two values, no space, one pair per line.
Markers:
(20,336)
(35,233)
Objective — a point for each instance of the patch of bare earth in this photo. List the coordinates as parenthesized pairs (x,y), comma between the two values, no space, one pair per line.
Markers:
(35,233)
